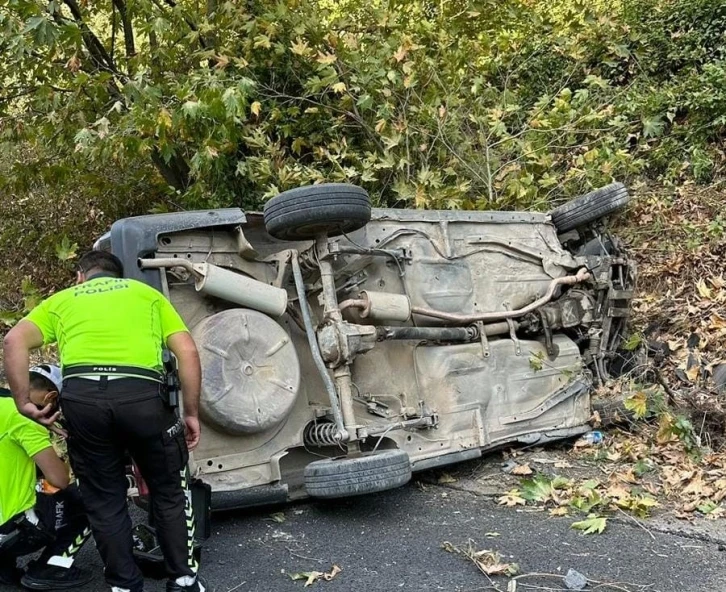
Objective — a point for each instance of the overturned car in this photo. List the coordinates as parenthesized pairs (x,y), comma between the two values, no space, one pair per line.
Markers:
(344,347)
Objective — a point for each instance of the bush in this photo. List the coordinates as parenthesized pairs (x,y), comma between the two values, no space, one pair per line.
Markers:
(483,104)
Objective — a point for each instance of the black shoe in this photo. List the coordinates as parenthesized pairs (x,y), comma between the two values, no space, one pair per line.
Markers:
(9,574)
(172,586)
(51,577)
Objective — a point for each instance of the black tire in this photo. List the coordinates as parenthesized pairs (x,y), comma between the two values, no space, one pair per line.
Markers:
(590,207)
(307,212)
(347,477)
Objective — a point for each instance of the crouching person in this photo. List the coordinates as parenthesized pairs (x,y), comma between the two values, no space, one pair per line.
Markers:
(32,520)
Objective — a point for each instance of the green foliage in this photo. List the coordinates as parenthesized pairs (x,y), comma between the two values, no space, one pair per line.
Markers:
(476,104)
(30,298)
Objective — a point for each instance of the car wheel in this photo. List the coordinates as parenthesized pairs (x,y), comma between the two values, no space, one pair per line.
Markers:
(333,478)
(307,212)
(590,207)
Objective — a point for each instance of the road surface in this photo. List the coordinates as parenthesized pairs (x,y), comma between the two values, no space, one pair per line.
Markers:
(392,541)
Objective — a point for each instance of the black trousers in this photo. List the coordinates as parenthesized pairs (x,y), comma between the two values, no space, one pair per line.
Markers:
(105,420)
(62,529)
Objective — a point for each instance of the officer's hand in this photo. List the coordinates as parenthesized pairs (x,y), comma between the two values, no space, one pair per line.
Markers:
(192,432)
(42,416)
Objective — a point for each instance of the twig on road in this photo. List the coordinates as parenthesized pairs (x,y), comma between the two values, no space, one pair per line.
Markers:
(638,522)
(294,554)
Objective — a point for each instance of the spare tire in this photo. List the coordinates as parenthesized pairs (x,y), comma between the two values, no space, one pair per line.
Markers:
(333,478)
(307,212)
(590,207)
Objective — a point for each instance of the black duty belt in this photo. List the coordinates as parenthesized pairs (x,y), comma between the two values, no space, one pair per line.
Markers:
(81,370)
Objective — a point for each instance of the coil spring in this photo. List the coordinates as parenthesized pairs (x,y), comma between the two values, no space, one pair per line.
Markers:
(321,434)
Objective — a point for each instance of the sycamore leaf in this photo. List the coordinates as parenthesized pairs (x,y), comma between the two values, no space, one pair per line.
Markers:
(538,489)
(326,58)
(256,107)
(300,47)
(339,87)
(638,404)
(512,498)
(652,127)
(65,250)
(594,524)
(561,511)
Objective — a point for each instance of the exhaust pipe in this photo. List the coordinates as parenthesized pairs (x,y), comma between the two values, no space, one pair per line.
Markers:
(228,285)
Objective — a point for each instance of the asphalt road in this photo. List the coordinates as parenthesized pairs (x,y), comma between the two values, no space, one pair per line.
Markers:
(392,541)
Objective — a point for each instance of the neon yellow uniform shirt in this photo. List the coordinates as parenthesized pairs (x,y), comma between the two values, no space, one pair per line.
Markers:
(106,320)
(20,439)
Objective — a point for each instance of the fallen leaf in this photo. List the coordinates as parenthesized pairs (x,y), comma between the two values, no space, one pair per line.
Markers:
(446,478)
(311,577)
(704,290)
(559,511)
(490,562)
(278,517)
(638,404)
(522,470)
(595,419)
(693,372)
(512,498)
(332,573)
(594,524)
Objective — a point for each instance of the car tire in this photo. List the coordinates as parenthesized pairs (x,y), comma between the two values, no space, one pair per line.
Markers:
(335,478)
(590,207)
(307,212)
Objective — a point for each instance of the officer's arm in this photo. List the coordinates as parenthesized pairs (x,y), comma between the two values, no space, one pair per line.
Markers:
(190,371)
(54,469)
(22,338)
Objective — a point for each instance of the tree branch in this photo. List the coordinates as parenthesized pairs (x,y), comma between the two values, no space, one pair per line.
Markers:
(98,52)
(128,28)
(175,172)
(190,23)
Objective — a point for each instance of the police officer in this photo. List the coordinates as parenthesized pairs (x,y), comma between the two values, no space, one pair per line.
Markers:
(51,518)
(110,333)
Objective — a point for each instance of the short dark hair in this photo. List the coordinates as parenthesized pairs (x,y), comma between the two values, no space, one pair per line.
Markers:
(101,260)
(41,383)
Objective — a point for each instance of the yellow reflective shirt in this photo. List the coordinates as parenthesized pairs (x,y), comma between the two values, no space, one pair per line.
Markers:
(107,320)
(20,440)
